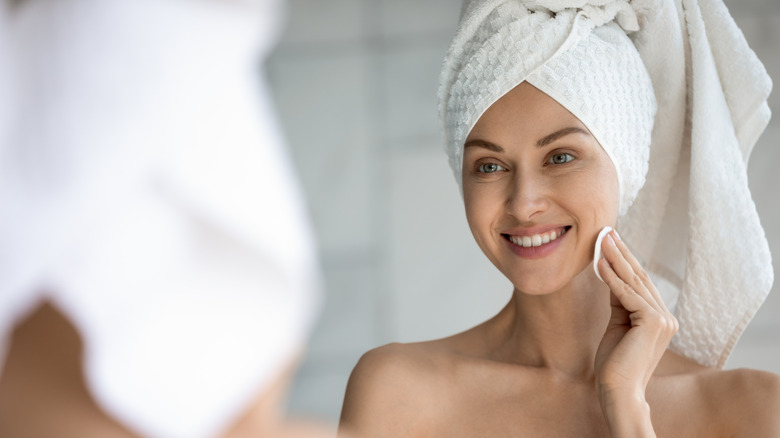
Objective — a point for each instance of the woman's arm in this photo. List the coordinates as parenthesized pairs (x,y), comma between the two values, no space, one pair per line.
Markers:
(627,415)
(639,331)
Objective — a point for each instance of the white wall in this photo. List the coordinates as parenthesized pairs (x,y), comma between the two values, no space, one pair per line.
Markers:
(355,83)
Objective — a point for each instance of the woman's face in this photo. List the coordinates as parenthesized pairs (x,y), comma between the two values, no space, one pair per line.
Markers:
(538,188)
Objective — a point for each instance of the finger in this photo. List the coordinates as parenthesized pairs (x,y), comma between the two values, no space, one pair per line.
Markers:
(639,270)
(625,294)
(627,254)
(626,273)
(660,325)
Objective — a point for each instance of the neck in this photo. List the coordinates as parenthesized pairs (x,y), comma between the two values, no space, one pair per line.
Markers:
(560,330)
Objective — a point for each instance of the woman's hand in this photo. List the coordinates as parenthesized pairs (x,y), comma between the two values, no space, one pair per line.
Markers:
(639,330)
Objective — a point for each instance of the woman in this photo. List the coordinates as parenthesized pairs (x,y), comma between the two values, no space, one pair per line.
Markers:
(555,119)
(146,290)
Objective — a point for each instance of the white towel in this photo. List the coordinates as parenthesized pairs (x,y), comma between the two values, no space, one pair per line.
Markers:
(145,190)
(694,224)
(710,91)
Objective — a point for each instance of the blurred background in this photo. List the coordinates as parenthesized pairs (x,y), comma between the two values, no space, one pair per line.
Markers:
(355,85)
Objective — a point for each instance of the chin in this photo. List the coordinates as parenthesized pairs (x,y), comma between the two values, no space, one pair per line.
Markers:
(541,283)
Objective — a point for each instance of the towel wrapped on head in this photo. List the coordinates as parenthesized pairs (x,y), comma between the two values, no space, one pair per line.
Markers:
(615,64)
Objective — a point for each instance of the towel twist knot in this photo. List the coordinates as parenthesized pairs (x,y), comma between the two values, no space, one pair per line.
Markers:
(599,12)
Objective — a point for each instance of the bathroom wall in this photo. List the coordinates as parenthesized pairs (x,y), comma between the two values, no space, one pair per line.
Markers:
(355,84)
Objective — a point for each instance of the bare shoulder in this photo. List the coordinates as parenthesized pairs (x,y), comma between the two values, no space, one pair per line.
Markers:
(747,401)
(704,401)
(388,371)
(393,389)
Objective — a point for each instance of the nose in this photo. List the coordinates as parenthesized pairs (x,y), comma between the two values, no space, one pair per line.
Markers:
(528,197)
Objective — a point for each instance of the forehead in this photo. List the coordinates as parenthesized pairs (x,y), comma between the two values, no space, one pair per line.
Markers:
(523,111)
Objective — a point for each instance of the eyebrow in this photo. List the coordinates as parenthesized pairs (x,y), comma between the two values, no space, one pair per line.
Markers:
(544,141)
(484,144)
(560,133)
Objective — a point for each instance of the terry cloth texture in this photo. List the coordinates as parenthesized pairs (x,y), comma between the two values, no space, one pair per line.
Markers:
(612,63)
(581,59)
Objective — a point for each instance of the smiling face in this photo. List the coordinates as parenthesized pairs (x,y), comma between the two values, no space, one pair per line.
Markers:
(538,188)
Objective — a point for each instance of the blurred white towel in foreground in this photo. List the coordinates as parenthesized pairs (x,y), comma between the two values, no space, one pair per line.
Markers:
(146,193)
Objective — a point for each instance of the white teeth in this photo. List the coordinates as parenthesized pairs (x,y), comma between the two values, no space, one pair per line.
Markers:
(536,239)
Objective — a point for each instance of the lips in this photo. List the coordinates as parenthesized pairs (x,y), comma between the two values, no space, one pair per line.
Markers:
(539,239)
(535,243)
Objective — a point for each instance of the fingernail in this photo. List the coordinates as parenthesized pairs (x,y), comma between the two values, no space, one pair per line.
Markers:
(617,235)
(611,240)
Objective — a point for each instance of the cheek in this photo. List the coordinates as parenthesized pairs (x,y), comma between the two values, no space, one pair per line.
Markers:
(610,188)
(604,193)
(591,193)
(480,206)
(475,208)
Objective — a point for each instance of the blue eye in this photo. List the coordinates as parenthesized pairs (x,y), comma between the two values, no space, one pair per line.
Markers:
(561,158)
(490,168)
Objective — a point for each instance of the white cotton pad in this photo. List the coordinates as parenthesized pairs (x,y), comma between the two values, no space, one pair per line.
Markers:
(597,252)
